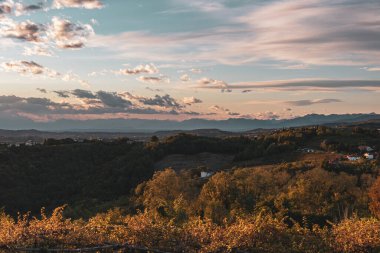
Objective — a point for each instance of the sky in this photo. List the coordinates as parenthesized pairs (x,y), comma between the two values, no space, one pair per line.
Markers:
(181,59)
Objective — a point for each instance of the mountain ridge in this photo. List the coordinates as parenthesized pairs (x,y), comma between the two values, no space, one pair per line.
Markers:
(151,126)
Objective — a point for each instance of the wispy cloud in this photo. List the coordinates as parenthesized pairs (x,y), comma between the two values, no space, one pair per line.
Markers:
(153,79)
(322,33)
(192,100)
(141,69)
(297,84)
(212,83)
(31,68)
(307,102)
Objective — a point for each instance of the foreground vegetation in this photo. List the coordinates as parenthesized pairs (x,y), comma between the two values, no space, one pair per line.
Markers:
(299,205)
(259,233)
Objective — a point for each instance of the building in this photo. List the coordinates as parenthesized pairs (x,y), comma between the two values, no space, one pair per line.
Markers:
(205,174)
(307,150)
(353,158)
(29,143)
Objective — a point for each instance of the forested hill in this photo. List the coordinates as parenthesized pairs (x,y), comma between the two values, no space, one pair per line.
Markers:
(97,175)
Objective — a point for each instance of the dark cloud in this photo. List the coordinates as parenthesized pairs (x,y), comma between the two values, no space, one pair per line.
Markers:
(112,99)
(83,94)
(32,105)
(164,101)
(307,102)
(62,93)
(42,90)
(44,109)
(95,105)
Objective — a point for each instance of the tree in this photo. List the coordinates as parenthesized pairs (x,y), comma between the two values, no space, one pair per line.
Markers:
(374,194)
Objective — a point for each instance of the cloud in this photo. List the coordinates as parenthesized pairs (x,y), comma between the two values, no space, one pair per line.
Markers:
(68,35)
(155,90)
(86,4)
(322,32)
(112,99)
(5,8)
(15,105)
(24,31)
(163,101)
(307,102)
(21,9)
(372,69)
(72,77)
(37,50)
(86,104)
(62,93)
(223,110)
(141,69)
(127,100)
(185,78)
(295,33)
(196,71)
(153,79)
(266,115)
(29,68)
(298,84)
(42,90)
(191,100)
(10,7)
(204,5)
(208,82)
(59,33)
(79,93)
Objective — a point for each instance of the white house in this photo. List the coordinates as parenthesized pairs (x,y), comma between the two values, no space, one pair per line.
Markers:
(29,143)
(205,174)
(353,158)
(369,156)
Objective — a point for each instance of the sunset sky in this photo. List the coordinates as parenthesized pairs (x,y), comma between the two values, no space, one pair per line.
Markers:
(180,59)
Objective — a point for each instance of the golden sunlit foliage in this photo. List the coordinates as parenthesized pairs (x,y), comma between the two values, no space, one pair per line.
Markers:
(259,233)
(374,194)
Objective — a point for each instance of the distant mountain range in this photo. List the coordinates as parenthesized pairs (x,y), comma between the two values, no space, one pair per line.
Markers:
(150,126)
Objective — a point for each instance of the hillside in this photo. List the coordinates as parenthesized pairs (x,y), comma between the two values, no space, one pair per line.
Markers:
(281,182)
